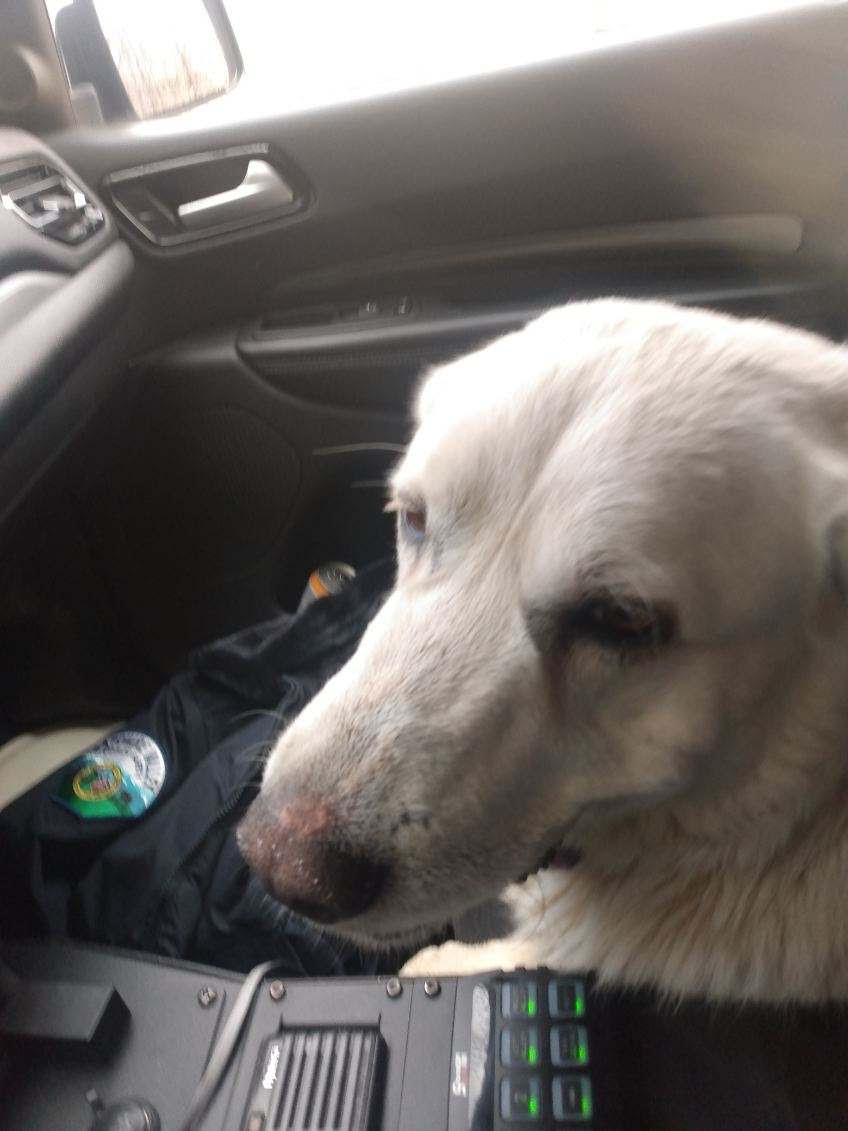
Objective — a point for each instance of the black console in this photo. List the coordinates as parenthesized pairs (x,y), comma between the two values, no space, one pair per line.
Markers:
(99,1040)
(356,1054)
(491,1052)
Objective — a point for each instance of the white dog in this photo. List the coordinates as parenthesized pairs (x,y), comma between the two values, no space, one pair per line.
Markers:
(619,625)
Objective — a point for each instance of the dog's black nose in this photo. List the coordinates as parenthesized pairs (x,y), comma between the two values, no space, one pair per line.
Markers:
(340,886)
(296,852)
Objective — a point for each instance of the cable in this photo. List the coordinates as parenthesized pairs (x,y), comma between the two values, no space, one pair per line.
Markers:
(225,1046)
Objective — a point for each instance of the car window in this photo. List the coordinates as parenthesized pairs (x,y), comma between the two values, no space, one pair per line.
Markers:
(299,56)
(330,51)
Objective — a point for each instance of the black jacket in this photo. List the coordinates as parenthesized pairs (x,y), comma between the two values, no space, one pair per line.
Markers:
(172,881)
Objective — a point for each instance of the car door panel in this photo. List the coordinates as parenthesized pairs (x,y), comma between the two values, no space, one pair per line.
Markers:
(267,400)
(739,120)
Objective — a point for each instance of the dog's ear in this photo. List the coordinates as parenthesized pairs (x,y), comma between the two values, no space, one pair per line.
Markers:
(837,537)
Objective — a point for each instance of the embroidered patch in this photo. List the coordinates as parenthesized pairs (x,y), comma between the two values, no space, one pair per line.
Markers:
(119,777)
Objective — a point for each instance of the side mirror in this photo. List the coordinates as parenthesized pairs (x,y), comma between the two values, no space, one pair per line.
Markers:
(128,61)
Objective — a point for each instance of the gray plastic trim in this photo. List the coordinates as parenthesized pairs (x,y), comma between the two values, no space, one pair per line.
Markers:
(22,293)
(37,353)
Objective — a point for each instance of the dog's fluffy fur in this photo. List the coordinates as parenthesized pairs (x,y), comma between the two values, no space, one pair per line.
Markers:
(634,451)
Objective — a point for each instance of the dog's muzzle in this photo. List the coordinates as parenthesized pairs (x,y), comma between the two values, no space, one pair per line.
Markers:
(296,851)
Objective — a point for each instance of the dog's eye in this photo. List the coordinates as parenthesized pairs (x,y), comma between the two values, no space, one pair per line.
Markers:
(622,622)
(413,522)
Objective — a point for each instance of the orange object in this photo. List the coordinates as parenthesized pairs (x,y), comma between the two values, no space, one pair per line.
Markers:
(326,581)
(317,585)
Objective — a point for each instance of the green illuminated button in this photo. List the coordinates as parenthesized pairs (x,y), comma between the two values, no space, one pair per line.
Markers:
(520,1046)
(519,1000)
(521,1099)
(572,1099)
(569,1046)
(567,997)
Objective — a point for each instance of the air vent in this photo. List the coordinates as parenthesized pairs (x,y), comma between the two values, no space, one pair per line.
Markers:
(318,1080)
(49,201)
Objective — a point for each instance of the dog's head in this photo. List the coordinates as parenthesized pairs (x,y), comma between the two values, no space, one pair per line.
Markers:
(620,559)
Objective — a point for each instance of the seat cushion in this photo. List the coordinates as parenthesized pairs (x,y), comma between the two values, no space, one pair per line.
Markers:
(28,758)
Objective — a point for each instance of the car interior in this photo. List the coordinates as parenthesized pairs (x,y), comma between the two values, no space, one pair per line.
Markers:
(211,331)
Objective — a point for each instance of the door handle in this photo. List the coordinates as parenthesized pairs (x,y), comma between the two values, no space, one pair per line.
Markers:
(262,190)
